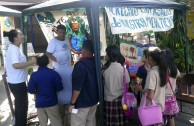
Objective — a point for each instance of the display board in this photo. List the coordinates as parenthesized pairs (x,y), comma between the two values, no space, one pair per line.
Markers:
(132,46)
(7,23)
(77,27)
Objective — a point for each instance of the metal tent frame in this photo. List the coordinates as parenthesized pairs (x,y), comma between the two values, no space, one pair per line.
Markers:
(5,11)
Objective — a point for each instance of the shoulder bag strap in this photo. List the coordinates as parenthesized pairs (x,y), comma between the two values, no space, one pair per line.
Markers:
(124,85)
(168,79)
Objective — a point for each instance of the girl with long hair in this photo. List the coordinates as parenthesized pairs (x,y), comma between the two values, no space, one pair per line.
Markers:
(113,88)
(173,73)
(156,78)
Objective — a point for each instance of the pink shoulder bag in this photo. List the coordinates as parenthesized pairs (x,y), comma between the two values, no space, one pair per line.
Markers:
(171,106)
(129,101)
(150,115)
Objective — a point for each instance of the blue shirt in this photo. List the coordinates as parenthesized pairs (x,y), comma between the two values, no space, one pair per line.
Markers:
(77,42)
(84,79)
(142,73)
(45,83)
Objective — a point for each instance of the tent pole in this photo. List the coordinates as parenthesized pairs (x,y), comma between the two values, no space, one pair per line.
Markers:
(93,18)
(32,30)
(186,42)
(25,32)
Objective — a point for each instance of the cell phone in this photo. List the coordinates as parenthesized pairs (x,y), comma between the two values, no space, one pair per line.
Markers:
(75,111)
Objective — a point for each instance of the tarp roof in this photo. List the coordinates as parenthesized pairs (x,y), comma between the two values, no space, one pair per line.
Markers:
(20,2)
(4,11)
(62,4)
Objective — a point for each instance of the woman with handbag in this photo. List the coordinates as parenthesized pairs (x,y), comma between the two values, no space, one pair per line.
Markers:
(155,81)
(171,106)
(113,89)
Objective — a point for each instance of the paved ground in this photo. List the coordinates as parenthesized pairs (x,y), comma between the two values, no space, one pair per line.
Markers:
(5,114)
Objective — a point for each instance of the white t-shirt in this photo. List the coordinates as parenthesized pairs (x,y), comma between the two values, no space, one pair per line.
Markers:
(60,50)
(15,55)
(153,83)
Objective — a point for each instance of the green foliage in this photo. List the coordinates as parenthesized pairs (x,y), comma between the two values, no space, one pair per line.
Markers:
(176,41)
(30,70)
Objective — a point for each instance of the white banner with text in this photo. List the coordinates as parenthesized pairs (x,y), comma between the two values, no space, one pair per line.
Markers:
(133,20)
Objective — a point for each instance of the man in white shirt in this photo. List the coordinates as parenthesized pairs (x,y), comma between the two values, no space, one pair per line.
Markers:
(58,47)
(58,51)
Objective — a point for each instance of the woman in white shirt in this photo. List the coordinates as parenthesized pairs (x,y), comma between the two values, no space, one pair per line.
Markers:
(16,64)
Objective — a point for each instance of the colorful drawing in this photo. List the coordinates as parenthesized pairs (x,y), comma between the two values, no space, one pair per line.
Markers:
(77,27)
(132,46)
(7,23)
(77,33)
(48,18)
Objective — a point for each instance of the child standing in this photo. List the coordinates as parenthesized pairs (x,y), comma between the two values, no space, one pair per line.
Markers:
(156,78)
(113,88)
(173,73)
(45,83)
(142,72)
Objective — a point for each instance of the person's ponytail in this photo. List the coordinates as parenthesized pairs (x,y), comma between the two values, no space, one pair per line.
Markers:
(11,34)
(6,34)
(162,68)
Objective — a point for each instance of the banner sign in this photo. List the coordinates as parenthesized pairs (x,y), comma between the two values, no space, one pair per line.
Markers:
(75,20)
(132,20)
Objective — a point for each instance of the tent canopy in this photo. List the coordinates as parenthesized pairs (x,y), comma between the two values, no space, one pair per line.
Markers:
(92,8)
(59,5)
(4,11)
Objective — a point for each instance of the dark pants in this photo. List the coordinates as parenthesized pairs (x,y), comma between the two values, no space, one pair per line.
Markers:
(138,96)
(21,102)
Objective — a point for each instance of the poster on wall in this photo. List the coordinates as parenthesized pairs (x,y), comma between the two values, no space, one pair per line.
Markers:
(190,25)
(133,20)
(75,20)
(132,46)
(7,23)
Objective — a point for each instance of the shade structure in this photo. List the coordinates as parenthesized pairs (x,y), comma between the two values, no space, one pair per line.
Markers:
(92,10)
(5,11)
(61,4)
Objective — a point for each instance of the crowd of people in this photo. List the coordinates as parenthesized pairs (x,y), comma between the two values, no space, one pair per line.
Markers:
(69,95)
